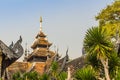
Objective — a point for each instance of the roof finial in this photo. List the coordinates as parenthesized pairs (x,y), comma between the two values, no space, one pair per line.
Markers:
(26,49)
(40,23)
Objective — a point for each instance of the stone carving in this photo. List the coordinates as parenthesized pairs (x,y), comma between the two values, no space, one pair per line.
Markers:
(9,55)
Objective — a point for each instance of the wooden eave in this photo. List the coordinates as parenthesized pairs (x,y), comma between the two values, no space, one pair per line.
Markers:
(41,34)
(41,43)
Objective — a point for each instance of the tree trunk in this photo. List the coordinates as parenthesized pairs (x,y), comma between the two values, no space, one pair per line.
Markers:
(106,70)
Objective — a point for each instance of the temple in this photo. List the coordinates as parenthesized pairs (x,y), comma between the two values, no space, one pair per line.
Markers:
(40,46)
(41,58)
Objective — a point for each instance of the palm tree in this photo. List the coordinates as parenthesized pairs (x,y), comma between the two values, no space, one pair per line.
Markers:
(97,42)
(114,65)
(86,73)
(95,63)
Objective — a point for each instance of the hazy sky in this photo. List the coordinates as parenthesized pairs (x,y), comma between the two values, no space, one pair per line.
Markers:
(64,21)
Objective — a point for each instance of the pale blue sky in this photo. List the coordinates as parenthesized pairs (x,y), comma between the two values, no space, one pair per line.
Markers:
(64,21)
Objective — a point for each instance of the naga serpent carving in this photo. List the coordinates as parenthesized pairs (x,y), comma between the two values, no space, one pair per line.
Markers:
(10,54)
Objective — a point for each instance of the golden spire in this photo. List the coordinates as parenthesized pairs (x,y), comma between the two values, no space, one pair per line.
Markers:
(40,19)
(40,23)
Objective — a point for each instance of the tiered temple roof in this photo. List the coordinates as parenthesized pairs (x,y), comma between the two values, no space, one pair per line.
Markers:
(40,47)
(41,41)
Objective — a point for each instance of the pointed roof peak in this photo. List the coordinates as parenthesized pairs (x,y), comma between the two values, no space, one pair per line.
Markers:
(41,33)
(40,18)
(40,24)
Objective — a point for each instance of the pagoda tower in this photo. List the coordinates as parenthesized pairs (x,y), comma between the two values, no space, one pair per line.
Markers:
(40,46)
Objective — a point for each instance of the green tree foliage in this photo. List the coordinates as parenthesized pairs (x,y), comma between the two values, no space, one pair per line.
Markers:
(31,75)
(53,74)
(114,65)
(110,13)
(54,70)
(95,63)
(44,77)
(117,77)
(109,18)
(17,76)
(62,76)
(92,60)
(86,73)
(26,76)
(97,43)
(54,66)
